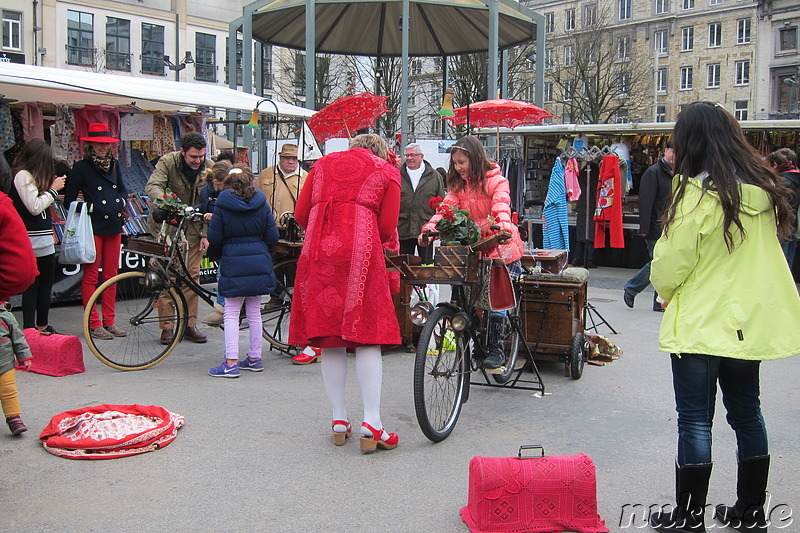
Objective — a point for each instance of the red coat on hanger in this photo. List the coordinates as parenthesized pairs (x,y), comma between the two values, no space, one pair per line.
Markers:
(609,204)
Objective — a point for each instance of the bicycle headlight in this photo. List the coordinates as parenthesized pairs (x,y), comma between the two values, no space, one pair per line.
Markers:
(152,280)
(460,322)
(420,312)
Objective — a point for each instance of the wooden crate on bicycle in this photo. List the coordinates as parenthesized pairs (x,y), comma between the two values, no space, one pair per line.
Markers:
(452,272)
(148,247)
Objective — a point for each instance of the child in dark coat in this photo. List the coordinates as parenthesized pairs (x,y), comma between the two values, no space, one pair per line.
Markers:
(208,199)
(240,235)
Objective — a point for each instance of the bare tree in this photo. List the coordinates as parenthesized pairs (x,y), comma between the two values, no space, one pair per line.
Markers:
(598,75)
(290,84)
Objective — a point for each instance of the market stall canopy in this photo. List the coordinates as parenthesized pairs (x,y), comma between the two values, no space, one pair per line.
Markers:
(29,83)
(634,128)
(370,28)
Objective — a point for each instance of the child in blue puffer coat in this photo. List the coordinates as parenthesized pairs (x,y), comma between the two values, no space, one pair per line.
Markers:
(240,236)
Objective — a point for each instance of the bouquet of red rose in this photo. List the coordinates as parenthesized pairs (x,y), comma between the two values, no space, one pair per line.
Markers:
(168,207)
(455,225)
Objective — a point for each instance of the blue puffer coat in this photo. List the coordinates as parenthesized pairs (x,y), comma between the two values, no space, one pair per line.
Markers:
(240,236)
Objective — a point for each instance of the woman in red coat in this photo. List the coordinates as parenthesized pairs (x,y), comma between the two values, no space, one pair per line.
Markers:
(349,205)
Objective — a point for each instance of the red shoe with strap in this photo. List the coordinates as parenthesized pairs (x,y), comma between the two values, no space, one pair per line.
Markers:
(340,436)
(304,359)
(369,444)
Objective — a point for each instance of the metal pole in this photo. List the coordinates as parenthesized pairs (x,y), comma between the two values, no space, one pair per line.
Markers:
(177,46)
(494,38)
(405,21)
(311,35)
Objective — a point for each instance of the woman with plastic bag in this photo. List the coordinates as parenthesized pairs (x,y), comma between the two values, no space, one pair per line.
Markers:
(98,177)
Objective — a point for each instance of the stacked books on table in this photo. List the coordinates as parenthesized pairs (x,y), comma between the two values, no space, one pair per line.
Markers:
(136,209)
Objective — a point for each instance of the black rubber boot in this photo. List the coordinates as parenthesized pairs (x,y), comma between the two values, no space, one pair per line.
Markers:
(751,494)
(494,345)
(691,489)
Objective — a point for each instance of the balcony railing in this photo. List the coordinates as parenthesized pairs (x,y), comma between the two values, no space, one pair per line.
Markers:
(80,55)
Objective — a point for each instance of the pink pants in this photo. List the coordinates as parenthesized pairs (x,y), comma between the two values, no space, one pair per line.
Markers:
(252,308)
(108,247)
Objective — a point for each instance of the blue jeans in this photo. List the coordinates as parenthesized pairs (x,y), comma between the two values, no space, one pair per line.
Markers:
(641,279)
(695,380)
(789,248)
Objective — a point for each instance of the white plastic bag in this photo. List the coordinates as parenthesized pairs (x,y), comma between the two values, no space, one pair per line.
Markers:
(77,246)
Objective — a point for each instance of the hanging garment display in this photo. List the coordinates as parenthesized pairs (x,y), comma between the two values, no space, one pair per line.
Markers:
(65,143)
(608,211)
(571,180)
(554,215)
(32,124)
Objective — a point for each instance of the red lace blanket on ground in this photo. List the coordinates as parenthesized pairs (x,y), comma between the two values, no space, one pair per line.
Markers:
(109,431)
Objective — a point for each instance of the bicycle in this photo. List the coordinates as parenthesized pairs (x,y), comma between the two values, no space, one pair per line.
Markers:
(453,341)
(139,295)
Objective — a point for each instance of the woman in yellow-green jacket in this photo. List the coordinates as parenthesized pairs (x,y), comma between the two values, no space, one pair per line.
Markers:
(730,303)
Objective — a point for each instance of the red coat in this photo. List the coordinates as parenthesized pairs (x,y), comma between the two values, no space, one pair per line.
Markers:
(341,292)
(17,262)
(609,204)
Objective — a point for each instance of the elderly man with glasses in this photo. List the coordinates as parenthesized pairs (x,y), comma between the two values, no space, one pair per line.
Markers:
(418,184)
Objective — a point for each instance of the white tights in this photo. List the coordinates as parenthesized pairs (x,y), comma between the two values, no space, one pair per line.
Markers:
(369,372)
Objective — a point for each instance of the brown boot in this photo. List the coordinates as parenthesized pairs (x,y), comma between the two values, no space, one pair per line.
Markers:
(16,425)
(194,335)
(167,336)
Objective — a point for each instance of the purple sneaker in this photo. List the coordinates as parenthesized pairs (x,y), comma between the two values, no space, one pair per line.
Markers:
(253,365)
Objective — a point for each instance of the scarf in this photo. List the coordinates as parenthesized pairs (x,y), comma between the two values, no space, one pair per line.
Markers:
(103,164)
(785,167)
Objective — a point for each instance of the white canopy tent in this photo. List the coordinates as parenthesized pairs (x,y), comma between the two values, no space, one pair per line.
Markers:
(29,83)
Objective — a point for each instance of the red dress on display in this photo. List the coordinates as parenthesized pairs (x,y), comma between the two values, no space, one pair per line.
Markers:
(341,292)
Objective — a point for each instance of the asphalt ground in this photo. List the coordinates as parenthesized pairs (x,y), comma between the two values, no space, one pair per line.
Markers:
(256,454)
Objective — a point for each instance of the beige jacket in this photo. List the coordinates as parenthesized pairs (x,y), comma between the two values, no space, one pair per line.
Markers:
(281,193)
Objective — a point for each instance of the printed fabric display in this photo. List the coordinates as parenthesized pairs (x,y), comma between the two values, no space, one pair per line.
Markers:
(555,229)
(608,212)
(110,431)
(571,180)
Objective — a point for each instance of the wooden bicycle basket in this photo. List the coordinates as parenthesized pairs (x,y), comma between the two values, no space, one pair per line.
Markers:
(148,247)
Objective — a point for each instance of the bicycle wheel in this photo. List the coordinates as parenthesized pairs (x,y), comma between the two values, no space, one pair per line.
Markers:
(137,314)
(440,375)
(276,312)
(511,347)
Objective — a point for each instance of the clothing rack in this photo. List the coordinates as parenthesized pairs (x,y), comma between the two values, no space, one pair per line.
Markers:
(588,154)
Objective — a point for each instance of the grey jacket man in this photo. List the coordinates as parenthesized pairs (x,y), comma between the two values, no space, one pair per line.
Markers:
(414,208)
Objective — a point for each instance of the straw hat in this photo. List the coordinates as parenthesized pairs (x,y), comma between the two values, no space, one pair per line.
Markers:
(99,133)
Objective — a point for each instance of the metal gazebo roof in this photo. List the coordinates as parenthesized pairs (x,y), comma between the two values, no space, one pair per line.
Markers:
(371,27)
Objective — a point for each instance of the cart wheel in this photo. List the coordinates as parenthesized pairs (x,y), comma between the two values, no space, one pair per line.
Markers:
(577,355)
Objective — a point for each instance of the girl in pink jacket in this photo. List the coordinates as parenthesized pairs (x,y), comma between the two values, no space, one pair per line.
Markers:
(474,183)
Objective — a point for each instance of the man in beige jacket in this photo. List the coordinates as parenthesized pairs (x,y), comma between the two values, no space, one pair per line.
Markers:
(283,182)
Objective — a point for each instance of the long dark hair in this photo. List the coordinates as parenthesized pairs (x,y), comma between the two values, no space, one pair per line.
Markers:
(6,178)
(37,158)
(479,164)
(241,182)
(708,138)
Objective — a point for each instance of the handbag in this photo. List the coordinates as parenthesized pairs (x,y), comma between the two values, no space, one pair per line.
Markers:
(77,246)
(497,291)
(524,494)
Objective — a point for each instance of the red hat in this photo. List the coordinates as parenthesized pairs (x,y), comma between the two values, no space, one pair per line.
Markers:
(99,133)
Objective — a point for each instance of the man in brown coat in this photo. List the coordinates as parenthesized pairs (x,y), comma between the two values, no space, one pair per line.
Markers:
(282,183)
(182,172)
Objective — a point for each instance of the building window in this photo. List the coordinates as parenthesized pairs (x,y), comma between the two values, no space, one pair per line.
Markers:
(80,38)
(742,72)
(624,48)
(661,79)
(687,39)
(548,91)
(548,58)
(624,9)
(686,78)
(621,116)
(623,83)
(118,44)
(549,22)
(662,6)
(786,95)
(299,75)
(743,31)
(569,19)
(713,76)
(740,109)
(205,60)
(569,55)
(715,2)
(661,42)
(569,88)
(437,64)
(12,30)
(416,67)
(787,39)
(714,34)
(239,53)
(266,67)
(688,4)
(590,15)
(661,113)
(152,49)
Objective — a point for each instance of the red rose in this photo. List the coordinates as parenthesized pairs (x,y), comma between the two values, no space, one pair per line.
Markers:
(434,202)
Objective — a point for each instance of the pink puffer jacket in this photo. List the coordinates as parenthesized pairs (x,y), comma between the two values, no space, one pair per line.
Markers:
(497,202)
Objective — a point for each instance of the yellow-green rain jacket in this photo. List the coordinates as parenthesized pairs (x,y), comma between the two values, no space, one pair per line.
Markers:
(742,304)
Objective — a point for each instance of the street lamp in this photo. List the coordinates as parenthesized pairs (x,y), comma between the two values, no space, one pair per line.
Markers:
(180,66)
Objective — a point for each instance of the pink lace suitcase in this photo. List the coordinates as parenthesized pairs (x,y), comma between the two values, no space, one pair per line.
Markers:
(541,494)
(55,355)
